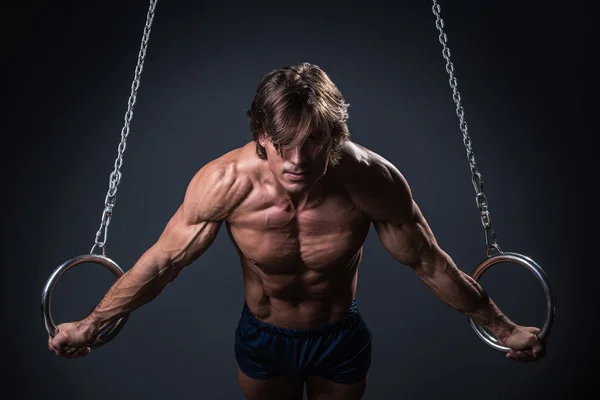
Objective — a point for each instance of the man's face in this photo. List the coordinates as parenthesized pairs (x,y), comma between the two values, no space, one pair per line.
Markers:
(296,169)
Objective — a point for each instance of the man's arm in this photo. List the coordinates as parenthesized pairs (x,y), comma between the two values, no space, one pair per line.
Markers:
(386,197)
(211,195)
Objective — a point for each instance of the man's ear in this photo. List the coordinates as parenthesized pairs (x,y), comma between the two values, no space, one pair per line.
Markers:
(262,138)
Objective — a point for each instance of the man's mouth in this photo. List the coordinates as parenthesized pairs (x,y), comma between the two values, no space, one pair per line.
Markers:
(297,175)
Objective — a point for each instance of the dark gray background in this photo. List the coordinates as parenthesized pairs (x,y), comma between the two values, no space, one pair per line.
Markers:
(519,68)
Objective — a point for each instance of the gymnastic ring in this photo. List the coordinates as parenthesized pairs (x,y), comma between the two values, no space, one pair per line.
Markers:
(539,273)
(112,330)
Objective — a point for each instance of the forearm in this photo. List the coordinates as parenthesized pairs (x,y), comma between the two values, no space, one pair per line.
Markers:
(463,293)
(138,286)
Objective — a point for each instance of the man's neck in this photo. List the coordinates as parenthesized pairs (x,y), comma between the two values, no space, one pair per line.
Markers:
(308,198)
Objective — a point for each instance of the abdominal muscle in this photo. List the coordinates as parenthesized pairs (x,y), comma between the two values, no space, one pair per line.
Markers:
(302,299)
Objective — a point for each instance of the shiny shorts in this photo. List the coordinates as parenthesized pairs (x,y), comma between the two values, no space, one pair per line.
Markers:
(339,351)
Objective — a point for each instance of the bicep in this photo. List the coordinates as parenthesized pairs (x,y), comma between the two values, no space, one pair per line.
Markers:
(408,239)
(184,239)
(211,195)
(397,218)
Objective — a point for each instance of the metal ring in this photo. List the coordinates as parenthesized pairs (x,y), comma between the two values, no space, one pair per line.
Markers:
(539,273)
(107,334)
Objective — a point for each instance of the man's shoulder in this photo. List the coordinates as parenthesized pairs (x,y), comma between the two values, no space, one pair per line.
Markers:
(357,163)
(236,163)
(224,181)
(372,181)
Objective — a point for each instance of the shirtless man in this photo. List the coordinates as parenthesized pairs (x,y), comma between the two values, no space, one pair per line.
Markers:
(298,202)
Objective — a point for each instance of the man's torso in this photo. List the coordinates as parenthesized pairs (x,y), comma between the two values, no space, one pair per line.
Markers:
(300,265)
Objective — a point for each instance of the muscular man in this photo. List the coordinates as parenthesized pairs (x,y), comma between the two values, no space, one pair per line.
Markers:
(298,202)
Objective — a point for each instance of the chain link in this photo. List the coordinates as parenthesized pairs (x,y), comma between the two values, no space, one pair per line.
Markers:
(115,176)
(476,177)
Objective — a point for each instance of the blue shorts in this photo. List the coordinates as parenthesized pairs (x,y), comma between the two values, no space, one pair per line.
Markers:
(339,351)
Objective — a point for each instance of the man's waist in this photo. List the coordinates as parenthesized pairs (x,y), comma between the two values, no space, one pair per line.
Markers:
(300,318)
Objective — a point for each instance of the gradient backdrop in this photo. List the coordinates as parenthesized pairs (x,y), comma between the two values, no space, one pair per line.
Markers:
(70,69)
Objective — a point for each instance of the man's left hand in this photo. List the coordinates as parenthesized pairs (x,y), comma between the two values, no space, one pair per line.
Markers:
(524,344)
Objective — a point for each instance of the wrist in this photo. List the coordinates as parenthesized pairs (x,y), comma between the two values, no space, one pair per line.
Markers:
(505,330)
(90,326)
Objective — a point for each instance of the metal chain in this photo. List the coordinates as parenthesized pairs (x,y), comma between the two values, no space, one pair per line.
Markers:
(476,177)
(115,176)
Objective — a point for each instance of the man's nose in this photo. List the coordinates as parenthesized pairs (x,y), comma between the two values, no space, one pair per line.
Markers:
(298,155)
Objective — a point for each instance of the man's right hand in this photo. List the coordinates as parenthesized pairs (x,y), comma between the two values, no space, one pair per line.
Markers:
(72,340)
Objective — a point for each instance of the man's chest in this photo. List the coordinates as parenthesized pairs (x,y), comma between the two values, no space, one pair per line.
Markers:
(316,236)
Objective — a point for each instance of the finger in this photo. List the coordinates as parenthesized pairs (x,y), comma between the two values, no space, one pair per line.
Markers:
(518,355)
(50,343)
(70,352)
(82,352)
(64,350)
(74,352)
(61,351)
(57,341)
(513,354)
(528,356)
